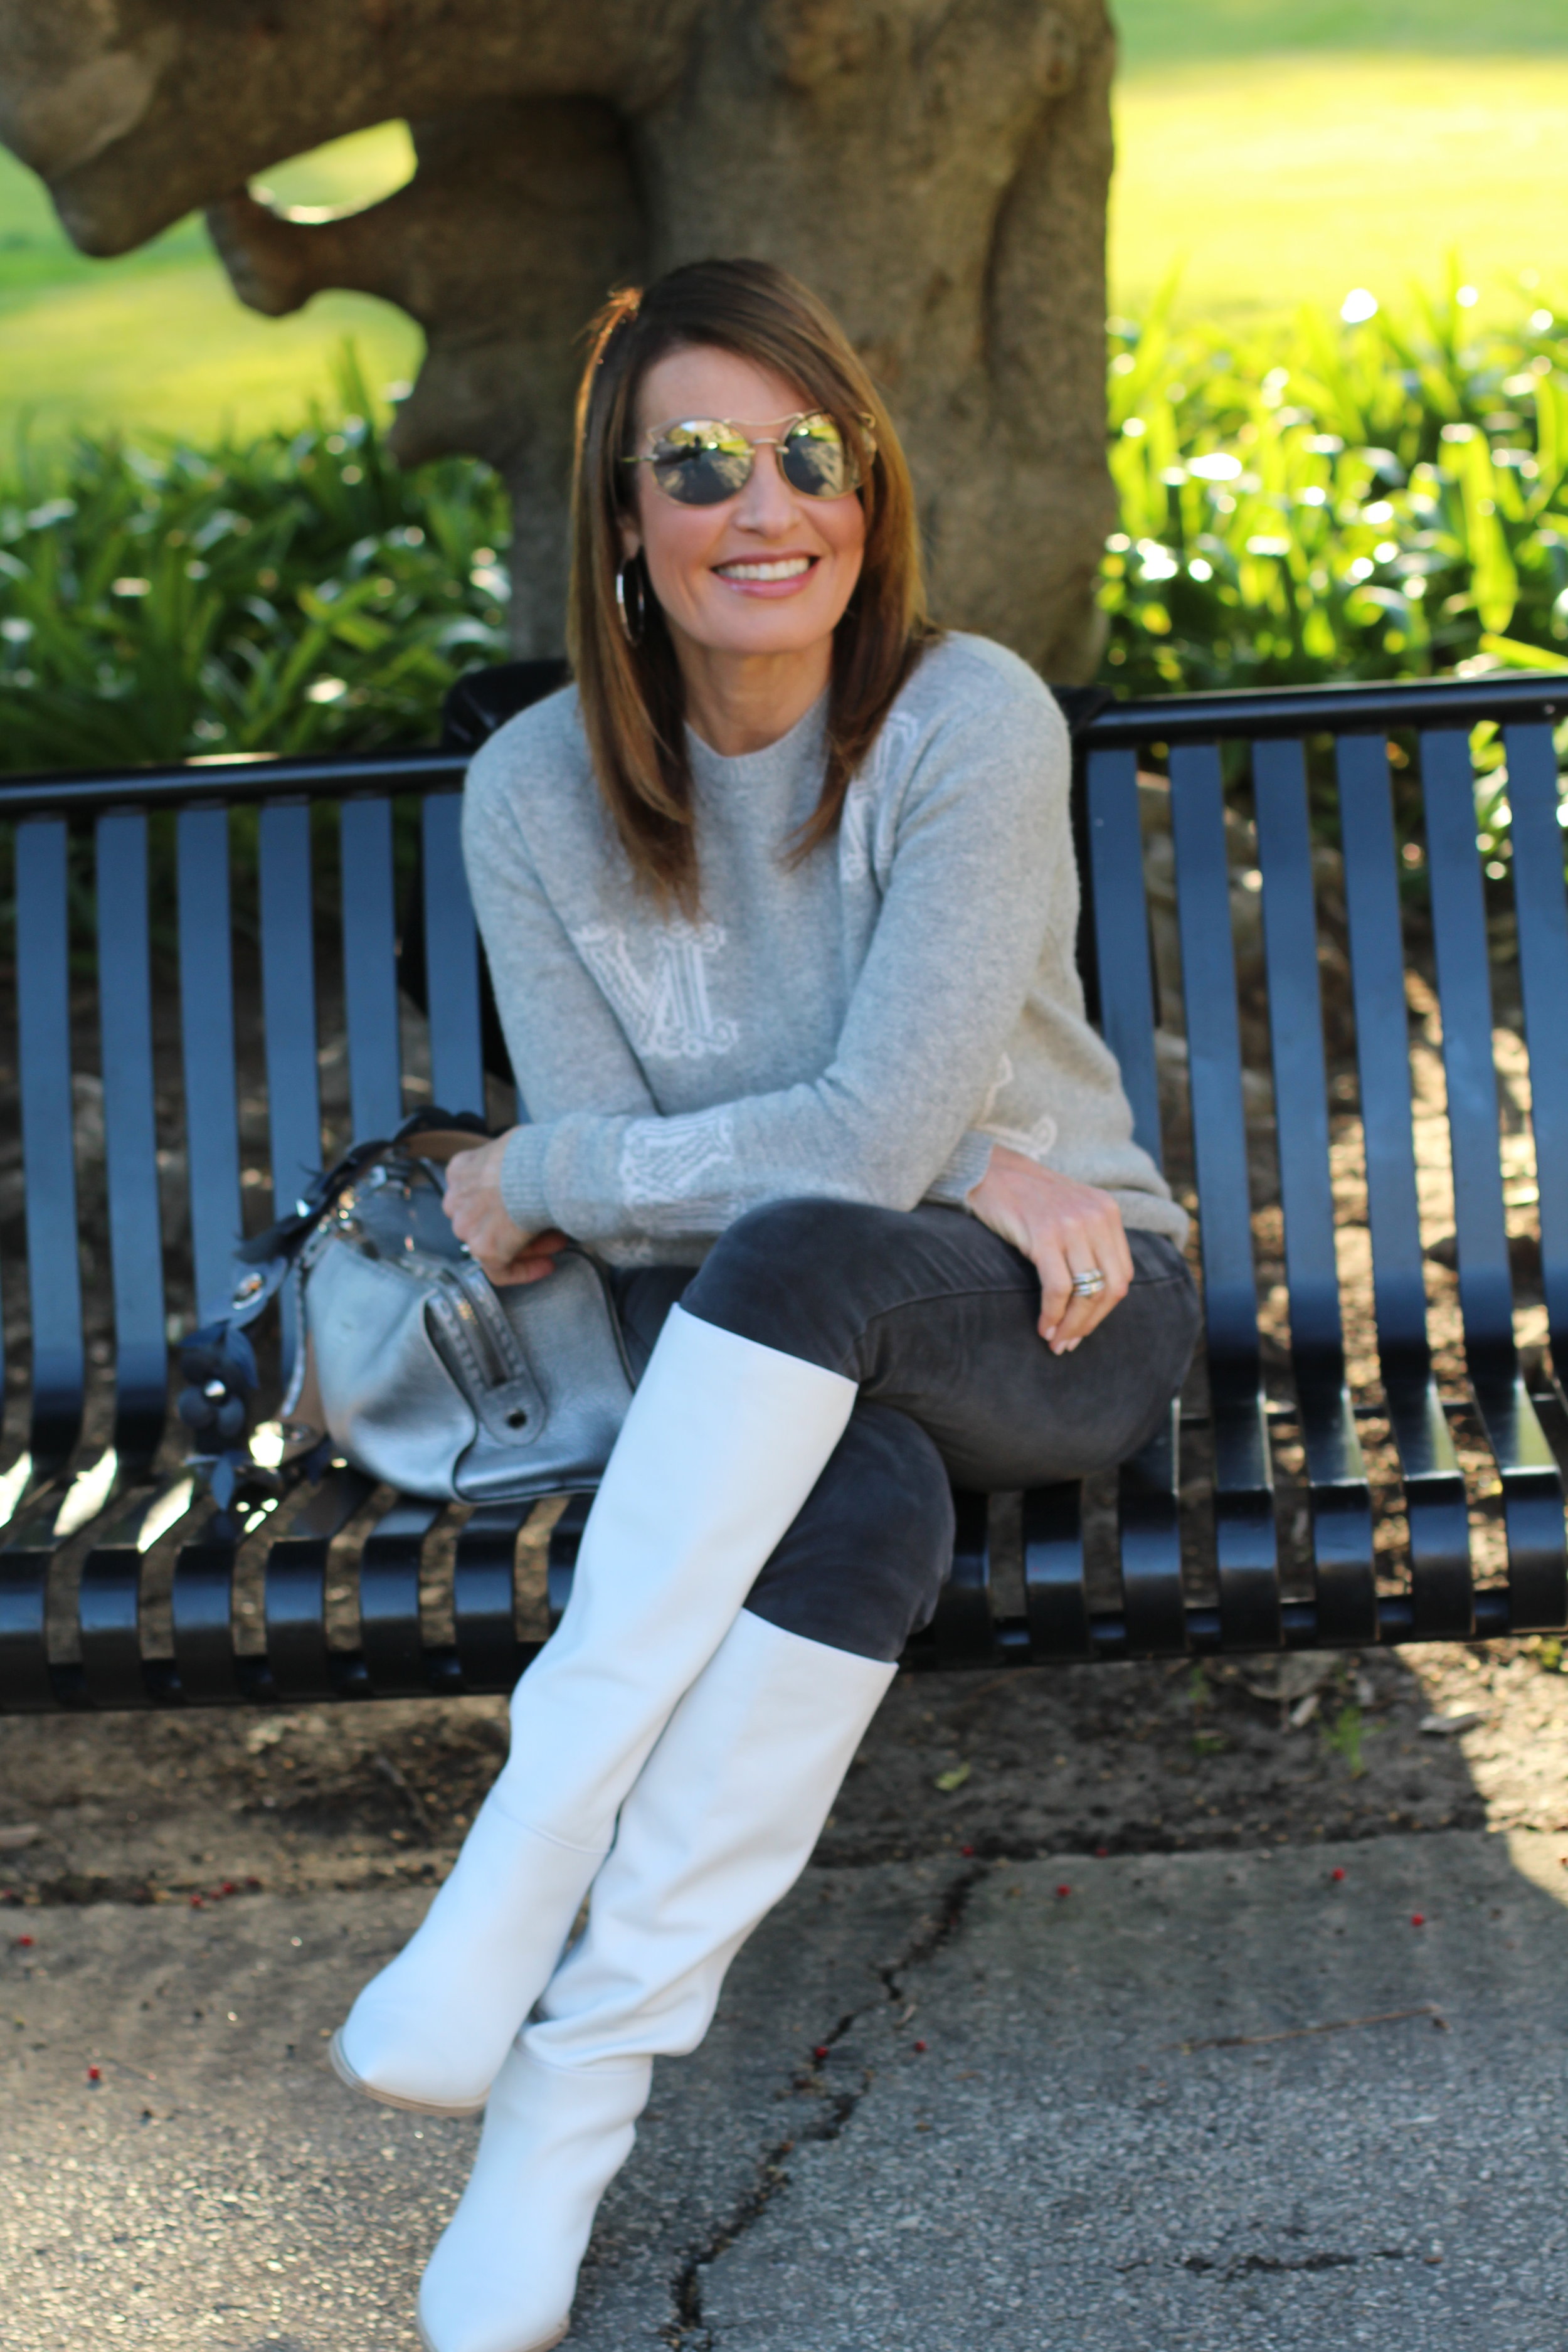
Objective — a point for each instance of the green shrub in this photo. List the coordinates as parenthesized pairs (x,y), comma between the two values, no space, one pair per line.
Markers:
(293,594)
(1380,499)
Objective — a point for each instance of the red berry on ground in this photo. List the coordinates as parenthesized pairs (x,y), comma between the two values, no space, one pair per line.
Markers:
(229,1887)
(94,2075)
(820,2050)
(1063,1890)
(24,1943)
(1419,1919)
(1336,1874)
(1101,1852)
(968,1851)
(920,2045)
(195,1902)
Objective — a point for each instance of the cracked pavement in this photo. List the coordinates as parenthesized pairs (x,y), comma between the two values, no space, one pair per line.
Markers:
(936,2103)
(944,2101)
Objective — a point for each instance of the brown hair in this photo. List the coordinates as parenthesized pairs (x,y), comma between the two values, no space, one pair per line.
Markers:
(632,697)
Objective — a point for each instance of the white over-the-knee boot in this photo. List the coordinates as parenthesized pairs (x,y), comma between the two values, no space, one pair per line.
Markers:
(723,1442)
(504,2271)
(719,1826)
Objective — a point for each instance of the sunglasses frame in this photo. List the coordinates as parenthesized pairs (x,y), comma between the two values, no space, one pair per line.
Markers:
(755,441)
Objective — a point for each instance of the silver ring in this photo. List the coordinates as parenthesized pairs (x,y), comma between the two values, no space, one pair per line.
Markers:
(1089,1285)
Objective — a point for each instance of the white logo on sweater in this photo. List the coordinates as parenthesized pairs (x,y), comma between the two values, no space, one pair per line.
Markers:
(1035,1141)
(895,743)
(664,1011)
(668,1168)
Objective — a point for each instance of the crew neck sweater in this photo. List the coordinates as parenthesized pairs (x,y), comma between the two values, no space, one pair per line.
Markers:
(864,1025)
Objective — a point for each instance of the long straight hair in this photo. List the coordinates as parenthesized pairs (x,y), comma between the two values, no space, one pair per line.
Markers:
(632,697)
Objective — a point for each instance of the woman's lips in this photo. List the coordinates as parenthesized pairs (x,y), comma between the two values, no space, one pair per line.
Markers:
(770,576)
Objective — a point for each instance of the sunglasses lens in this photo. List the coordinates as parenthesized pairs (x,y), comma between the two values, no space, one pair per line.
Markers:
(699,464)
(814,461)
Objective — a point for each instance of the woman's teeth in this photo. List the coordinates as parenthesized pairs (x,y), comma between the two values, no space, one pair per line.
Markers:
(789,567)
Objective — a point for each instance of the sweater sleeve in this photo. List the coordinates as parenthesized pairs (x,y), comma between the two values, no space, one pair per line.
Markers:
(981,865)
(568,1051)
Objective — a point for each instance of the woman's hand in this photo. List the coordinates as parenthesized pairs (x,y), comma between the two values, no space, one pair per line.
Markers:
(473,1203)
(1064,1229)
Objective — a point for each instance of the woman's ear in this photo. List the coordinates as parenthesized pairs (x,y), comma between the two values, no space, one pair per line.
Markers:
(631,537)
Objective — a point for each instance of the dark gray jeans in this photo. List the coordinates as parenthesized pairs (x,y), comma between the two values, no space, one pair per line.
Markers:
(934,1316)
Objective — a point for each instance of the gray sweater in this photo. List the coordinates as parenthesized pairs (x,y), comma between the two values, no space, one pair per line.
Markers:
(862,1027)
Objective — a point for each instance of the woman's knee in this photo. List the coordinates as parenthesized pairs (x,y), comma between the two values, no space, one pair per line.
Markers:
(784,1275)
(863,1565)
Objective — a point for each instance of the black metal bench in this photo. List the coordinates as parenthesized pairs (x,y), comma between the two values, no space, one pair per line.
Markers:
(1189,1571)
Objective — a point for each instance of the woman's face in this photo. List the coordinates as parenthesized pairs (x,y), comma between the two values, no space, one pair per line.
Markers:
(770,570)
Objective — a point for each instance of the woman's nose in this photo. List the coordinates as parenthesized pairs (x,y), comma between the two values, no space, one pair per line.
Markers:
(767,502)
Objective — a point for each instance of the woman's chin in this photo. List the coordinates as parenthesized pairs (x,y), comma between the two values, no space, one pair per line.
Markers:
(749,628)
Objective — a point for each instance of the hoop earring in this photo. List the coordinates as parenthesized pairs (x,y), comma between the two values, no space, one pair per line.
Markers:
(629,601)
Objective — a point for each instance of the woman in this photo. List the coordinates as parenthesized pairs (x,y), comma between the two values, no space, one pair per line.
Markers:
(779,903)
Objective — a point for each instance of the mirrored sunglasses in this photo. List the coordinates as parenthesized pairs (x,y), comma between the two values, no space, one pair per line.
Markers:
(702,460)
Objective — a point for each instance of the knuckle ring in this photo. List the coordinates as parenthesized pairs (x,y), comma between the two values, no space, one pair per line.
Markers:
(1089,1285)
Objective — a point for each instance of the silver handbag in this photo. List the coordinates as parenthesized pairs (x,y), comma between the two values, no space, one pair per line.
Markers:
(412,1365)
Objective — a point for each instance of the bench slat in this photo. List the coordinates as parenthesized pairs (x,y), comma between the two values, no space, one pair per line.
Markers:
(206,1025)
(451,960)
(200,1608)
(114,1669)
(1055,1598)
(1122,937)
(1541,907)
(1533,1495)
(965,1624)
(1247,1548)
(135,1218)
(1442,1591)
(1148,1510)
(294,1606)
(1149,1525)
(49,1156)
(1340,1498)
(1464,990)
(370,968)
(288,1018)
(482,1607)
(389,1572)
(27,1685)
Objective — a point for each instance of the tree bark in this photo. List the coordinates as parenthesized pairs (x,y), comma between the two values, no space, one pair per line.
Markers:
(938,169)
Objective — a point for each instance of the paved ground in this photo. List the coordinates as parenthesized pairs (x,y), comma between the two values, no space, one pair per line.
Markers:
(1116,2133)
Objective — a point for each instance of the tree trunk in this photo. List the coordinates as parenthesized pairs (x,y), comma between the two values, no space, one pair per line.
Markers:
(937,170)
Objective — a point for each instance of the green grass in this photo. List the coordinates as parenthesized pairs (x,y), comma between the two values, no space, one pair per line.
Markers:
(1163,31)
(1269,181)
(156,342)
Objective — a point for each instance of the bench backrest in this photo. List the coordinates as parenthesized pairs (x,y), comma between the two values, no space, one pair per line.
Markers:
(89,905)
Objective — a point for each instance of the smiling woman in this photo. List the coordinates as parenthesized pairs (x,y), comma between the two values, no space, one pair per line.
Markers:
(779,903)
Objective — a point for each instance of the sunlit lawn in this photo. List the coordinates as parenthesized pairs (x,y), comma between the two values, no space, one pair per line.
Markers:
(1272,181)
(1276,151)
(157,340)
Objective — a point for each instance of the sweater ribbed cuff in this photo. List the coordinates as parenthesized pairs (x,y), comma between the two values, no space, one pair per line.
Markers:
(522,1177)
(965,1170)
